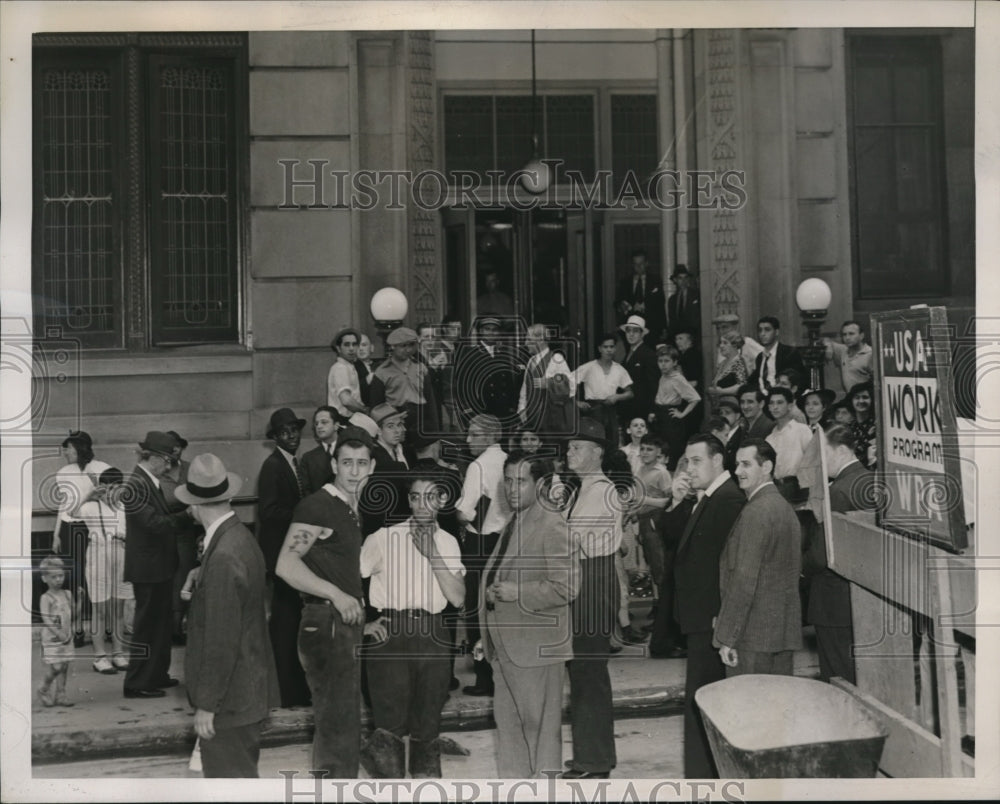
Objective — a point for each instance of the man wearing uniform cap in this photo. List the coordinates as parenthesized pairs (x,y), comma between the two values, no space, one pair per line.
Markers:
(321,558)
(150,562)
(402,381)
(486,375)
(228,666)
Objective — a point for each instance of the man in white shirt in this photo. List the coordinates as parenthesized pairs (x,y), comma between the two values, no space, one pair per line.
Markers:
(853,357)
(415,570)
(484,512)
(789,439)
(343,386)
(545,370)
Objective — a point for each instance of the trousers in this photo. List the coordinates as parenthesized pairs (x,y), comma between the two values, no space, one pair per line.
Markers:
(232,753)
(328,652)
(753,661)
(704,666)
(149,660)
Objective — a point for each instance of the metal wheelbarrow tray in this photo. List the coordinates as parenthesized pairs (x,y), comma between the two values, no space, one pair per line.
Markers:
(767,727)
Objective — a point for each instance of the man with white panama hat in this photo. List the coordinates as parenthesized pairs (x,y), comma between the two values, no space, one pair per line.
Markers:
(640,363)
(228,667)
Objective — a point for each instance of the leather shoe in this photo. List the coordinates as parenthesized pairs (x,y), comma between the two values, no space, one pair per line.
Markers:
(574,773)
(170,682)
(453,684)
(480,690)
(678,653)
(132,693)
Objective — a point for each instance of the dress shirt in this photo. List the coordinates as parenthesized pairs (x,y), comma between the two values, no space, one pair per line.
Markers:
(557,365)
(595,519)
(211,529)
(789,441)
(395,452)
(403,383)
(485,477)
(767,377)
(854,368)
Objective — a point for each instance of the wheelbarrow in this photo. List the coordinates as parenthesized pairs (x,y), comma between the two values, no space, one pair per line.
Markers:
(767,727)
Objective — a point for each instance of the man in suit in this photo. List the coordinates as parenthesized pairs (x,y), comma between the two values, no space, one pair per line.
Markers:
(150,562)
(280,486)
(829,608)
(755,424)
(728,407)
(228,666)
(548,388)
(315,464)
(641,294)
(775,357)
(640,363)
(696,575)
(531,579)
(383,499)
(486,376)
(684,305)
(187,538)
(760,618)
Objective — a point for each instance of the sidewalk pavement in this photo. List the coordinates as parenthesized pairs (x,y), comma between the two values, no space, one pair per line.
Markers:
(104,723)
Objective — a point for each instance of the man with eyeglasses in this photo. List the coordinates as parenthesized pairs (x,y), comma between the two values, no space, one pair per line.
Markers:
(416,570)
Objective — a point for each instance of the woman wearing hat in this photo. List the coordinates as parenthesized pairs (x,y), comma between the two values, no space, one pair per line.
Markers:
(76,483)
(815,403)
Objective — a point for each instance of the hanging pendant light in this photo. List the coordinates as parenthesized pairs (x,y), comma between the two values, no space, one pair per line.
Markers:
(535,176)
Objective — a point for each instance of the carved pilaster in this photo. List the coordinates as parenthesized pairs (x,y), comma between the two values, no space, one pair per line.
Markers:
(425,286)
(135,247)
(723,119)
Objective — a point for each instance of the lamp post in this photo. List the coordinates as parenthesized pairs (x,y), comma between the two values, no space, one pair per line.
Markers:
(388,308)
(813,298)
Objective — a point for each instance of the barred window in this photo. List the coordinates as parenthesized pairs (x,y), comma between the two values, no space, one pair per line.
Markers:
(494,132)
(140,148)
(633,138)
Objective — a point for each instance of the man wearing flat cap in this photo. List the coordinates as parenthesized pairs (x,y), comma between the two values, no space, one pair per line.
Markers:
(150,562)
(383,500)
(228,666)
(280,486)
(402,381)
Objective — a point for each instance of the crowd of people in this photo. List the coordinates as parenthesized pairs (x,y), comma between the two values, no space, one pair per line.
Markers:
(477,496)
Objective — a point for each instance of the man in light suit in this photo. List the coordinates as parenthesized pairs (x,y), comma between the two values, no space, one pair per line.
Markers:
(696,575)
(531,579)
(760,620)
(150,562)
(228,667)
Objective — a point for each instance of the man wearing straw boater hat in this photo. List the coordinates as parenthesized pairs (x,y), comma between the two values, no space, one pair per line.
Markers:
(228,667)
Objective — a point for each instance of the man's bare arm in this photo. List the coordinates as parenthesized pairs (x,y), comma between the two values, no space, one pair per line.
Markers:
(293,571)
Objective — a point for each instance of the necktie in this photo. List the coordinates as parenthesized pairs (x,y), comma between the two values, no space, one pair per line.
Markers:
(329,450)
(682,307)
(765,383)
(638,294)
(501,552)
(298,478)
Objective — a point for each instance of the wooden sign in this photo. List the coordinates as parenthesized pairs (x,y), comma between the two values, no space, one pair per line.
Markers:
(918,464)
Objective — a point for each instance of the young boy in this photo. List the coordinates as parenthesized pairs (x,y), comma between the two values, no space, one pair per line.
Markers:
(636,430)
(653,484)
(675,401)
(57,632)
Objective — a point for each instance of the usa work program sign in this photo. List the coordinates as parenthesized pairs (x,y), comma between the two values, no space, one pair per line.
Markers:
(918,463)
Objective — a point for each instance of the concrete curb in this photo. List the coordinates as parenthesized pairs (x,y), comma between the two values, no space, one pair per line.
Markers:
(174,733)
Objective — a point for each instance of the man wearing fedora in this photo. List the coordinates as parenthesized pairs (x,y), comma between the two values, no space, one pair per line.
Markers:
(321,559)
(150,561)
(684,306)
(640,363)
(280,486)
(228,666)
(595,526)
(641,294)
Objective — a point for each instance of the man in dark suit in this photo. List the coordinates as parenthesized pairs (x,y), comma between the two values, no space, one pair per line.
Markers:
(829,609)
(696,575)
(280,486)
(760,618)
(486,376)
(383,497)
(728,407)
(228,666)
(150,562)
(187,539)
(684,305)
(640,363)
(315,464)
(641,294)
(775,358)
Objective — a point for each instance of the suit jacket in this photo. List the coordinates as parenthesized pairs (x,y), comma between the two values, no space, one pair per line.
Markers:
(277,496)
(150,532)
(689,317)
(830,593)
(786,357)
(315,469)
(383,497)
(228,665)
(761,428)
(485,384)
(536,629)
(696,567)
(732,447)
(759,578)
(654,301)
(641,367)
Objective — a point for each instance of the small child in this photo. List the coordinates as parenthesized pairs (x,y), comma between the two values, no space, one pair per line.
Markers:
(653,493)
(57,632)
(675,400)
